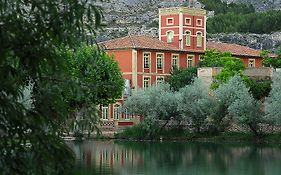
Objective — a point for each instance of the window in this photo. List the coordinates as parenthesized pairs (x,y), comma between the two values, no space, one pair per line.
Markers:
(175,61)
(201,57)
(116,111)
(190,61)
(127,116)
(160,61)
(146,60)
(187,21)
(187,39)
(170,36)
(199,22)
(199,39)
(146,82)
(251,63)
(159,80)
(170,21)
(105,113)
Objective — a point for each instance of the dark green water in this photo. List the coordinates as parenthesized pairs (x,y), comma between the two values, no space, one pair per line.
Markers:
(175,158)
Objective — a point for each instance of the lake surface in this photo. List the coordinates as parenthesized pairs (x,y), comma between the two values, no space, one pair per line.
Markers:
(175,158)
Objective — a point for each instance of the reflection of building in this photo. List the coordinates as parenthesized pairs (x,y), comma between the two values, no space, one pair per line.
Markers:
(107,155)
(182,41)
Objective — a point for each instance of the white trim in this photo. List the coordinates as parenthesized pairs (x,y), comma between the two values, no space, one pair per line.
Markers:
(156,82)
(143,73)
(118,112)
(192,59)
(181,30)
(149,53)
(205,31)
(102,113)
(159,28)
(254,63)
(178,58)
(197,39)
(173,34)
(166,34)
(201,23)
(171,27)
(186,22)
(169,24)
(160,53)
(189,37)
(149,81)
(134,68)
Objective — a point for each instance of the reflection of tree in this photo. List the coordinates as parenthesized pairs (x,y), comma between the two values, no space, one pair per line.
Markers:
(188,158)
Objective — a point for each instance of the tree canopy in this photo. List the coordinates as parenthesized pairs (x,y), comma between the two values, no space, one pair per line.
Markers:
(32,70)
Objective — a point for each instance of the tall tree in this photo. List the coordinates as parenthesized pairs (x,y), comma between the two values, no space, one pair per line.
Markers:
(272,103)
(30,32)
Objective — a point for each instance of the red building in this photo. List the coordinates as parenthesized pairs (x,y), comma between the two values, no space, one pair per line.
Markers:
(145,60)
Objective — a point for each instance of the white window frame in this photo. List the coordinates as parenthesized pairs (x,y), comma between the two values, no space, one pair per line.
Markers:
(187,23)
(127,116)
(116,111)
(167,21)
(177,58)
(148,80)
(159,77)
(162,61)
(190,58)
(201,57)
(188,44)
(252,63)
(148,61)
(168,38)
(197,39)
(105,109)
(199,23)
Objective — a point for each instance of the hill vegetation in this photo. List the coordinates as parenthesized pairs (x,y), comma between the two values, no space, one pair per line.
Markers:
(230,18)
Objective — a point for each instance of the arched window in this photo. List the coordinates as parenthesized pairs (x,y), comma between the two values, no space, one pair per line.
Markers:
(187,39)
(199,39)
(170,36)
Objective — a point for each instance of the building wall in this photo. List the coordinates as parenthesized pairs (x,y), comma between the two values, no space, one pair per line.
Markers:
(183,20)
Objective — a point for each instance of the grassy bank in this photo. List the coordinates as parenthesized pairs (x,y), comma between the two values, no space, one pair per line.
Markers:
(137,133)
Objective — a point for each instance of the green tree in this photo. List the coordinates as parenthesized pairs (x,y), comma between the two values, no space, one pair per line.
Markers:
(272,103)
(154,103)
(179,78)
(194,103)
(30,32)
(231,65)
(235,99)
(98,80)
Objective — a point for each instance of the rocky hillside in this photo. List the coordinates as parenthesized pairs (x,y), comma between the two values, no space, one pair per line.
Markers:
(125,17)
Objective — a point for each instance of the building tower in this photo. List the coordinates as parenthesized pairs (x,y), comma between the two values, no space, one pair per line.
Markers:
(184,27)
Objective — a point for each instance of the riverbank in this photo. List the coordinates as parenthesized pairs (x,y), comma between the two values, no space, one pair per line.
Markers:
(225,137)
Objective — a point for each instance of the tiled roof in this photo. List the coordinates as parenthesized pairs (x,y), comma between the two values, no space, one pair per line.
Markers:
(147,42)
(235,49)
(137,42)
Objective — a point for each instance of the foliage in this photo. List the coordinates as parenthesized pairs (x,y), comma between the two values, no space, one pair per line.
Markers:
(271,61)
(179,78)
(30,32)
(194,103)
(94,69)
(155,101)
(265,22)
(235,97)
(272,103)
(231,65)
(258,88)
(221,7)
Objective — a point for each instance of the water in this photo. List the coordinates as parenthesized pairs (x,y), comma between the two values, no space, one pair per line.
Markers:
(175,158)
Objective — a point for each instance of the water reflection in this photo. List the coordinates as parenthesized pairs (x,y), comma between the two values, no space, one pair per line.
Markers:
(109,157)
